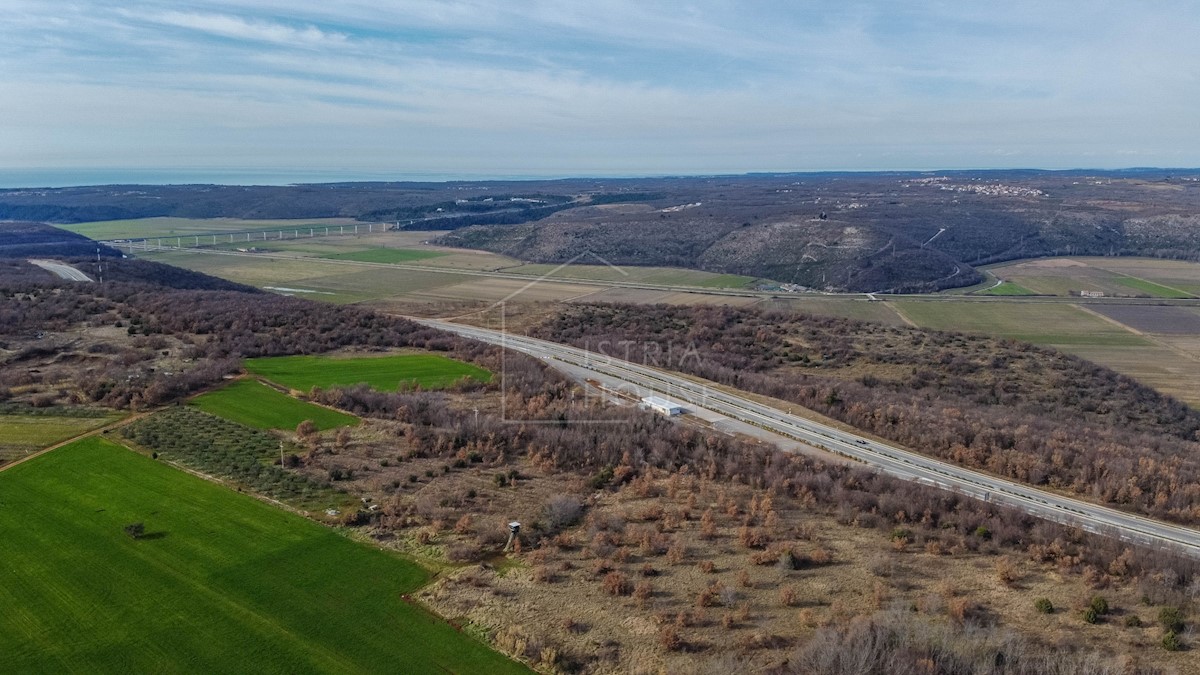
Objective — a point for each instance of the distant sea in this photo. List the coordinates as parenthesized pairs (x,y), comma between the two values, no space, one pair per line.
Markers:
(34,178)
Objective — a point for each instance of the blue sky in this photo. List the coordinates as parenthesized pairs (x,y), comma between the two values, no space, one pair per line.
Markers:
(610,87)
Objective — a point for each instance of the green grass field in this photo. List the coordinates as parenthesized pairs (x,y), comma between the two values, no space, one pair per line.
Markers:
(384,373)
(254,404)
(385,255)
(223,582)
(1151,288)
(176,227)
(1006,288)
(666,276)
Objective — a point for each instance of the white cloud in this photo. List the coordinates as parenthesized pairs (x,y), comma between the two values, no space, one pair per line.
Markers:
(710,85)
(228,26)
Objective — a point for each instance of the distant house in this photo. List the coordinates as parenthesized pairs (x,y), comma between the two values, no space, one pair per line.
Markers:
(1091,294)
(662,406)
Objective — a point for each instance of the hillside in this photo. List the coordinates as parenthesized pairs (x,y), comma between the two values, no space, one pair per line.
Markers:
(870,232)
(20,240)
(873,232)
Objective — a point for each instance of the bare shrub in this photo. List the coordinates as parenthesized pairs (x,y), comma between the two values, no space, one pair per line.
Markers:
(708,525)
(642,592)
(616,583)
(463,525)
(789,596)
(677,552)
(668,637)
(1007,571)
(562,511)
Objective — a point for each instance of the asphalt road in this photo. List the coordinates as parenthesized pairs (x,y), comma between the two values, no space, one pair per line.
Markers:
(887,458)
(63,270)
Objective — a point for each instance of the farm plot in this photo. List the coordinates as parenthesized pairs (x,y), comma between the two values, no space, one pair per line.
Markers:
(1176,274)
(1162,320)
(219,582)
(224,448)
(1006,288)
(23,434)
(511,290)
(848,308)
(385,373)
(1111,276)
(350,284)
(1040,323)
(176,227)
(385,255)
(254,404)
(667,276)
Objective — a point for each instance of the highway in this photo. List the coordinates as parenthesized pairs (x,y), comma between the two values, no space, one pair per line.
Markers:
(63,270)
(889,459)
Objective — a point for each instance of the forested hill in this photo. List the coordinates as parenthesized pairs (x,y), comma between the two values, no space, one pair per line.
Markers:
(38,240)
(839,231)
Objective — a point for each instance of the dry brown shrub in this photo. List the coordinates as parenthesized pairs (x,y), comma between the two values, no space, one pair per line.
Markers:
(424,536)
(935,547)
(1007,571)
(543,574)
(758,640)
(616,583)
(727,621)
(707,598)
(771,522)
(708,525)
(651,512)
(789,596)
(880,595)
(743,612)
(464,525)
(753,537)
(805,531)
(744,579)
(960,609)
(707,566)
(669,638)
(601,567)
(647,570)
(820,556)
(677,552)
(548,657)
(622,555)
(642,593)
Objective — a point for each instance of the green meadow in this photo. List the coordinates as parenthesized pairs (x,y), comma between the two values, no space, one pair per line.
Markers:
(220,582)
(254,404)
(385,373)
(385,255)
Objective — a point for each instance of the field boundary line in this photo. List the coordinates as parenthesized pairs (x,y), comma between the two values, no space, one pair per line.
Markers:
(1149,336)
(902,315)
(98,430)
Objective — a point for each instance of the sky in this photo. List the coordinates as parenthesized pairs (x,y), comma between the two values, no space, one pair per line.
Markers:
(474,88)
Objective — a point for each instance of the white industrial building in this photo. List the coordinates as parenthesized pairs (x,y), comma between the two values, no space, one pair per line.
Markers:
(663,406)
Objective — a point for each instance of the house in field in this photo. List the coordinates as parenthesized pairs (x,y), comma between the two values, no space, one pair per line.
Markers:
(662,406)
